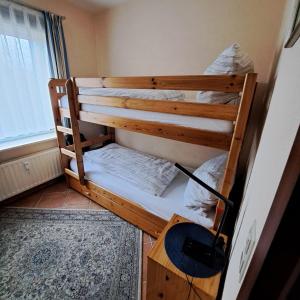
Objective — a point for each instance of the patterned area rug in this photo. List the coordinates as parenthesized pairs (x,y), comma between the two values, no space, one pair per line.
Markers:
(68,254)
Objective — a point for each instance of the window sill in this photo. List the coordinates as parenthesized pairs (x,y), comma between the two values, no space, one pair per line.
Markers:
(26,141)
(26,146)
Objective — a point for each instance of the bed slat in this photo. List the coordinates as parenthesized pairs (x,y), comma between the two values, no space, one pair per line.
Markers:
(227,84)
(89,82)
(214,111)
(222,83)
(171,131)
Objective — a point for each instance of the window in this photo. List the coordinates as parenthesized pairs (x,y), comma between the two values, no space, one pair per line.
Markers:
(25,109)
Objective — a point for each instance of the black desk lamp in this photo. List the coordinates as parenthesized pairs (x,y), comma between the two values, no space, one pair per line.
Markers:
(192,248)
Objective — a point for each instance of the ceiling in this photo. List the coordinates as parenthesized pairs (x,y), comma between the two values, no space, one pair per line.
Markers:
(96,5)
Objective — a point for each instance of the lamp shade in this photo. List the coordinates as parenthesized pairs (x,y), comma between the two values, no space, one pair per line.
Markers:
(207,260)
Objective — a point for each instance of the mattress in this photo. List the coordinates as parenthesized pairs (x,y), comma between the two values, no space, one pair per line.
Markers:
(164,206)
(180,120)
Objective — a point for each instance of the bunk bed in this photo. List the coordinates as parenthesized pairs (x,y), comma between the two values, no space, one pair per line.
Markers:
(219,126)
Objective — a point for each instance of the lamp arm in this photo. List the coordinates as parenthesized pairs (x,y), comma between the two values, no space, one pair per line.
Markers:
(228,203)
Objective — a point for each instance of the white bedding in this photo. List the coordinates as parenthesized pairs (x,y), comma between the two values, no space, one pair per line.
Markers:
(186,121)
(169,203)
(134,93)
(150,173)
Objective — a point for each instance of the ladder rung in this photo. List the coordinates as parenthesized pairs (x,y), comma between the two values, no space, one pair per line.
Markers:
(64,112)
(91,142)
(71,173)
(68,152)
(64,129)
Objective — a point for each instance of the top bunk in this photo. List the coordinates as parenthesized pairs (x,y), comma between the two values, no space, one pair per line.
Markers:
(116,102)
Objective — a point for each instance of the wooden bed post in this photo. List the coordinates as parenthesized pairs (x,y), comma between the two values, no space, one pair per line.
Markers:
(75,130)
(236,143)
(75,93)
(54,96)
(111,133)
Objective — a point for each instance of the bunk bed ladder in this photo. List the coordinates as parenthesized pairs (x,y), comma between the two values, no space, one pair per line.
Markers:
(77,147)
(54,96)
(72,151)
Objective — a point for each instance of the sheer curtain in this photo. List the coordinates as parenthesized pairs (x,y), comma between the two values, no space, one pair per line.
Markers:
(25,108)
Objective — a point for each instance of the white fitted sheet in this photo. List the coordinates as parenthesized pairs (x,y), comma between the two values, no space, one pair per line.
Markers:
(169,203)
(185,121)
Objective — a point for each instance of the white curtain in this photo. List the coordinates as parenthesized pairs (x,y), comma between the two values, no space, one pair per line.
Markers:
(25,108)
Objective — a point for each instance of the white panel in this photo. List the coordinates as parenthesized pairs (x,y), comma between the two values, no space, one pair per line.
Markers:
(276,142)
(27,172)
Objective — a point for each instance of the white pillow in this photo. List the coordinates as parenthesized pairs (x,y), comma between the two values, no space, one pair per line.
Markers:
(231,61)
(211,172)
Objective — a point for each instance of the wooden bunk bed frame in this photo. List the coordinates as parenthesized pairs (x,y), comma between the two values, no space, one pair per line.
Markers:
(231,142)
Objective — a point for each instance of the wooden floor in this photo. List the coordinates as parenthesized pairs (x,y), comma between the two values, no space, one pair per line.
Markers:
(59,195)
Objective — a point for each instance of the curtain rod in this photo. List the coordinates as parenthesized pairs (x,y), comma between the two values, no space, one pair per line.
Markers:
(35,8)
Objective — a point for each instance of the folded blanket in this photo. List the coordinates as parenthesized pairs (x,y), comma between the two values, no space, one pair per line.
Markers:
(144,171)
(134,93)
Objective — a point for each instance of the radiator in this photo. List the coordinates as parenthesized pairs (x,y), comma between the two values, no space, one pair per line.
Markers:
(27,172)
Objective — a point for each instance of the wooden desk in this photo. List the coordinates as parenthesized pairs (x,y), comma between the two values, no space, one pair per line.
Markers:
(165,281)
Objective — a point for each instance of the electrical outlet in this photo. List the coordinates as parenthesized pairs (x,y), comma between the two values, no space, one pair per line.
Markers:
(26,166)
(247,251)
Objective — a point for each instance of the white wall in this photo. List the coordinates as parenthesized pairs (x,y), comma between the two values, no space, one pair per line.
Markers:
(173,37)
(278,135)
(79,32)
(182,37)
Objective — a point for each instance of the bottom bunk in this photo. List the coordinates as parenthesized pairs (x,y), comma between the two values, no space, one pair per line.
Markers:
(110,186)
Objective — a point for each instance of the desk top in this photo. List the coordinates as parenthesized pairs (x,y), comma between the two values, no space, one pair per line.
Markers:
(208,286)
